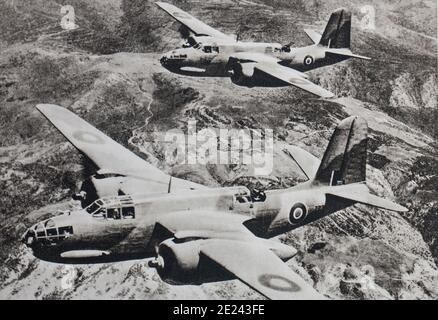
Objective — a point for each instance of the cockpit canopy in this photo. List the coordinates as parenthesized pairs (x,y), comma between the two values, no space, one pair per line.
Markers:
(115,208)
(204,48)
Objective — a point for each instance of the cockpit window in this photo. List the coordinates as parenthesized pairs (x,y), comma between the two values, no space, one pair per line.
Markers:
(243,199)
(94,207)
(112,208)
(258,195)
(128,213)
(50,223)
(99,213)
(113,213)
(65,230)
(211,49)
(121,213)
(48,231)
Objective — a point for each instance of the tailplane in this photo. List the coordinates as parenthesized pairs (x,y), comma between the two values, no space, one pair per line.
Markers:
(359,193)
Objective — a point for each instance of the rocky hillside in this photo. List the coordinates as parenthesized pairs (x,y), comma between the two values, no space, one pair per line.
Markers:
(107,71)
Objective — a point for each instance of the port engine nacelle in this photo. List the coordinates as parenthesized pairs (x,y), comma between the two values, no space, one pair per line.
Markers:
(98,186)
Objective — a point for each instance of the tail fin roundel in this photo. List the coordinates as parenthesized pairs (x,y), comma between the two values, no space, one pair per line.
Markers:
(344,160)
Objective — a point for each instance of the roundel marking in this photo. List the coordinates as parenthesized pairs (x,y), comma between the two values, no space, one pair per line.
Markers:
(181,15)
(88,137)
(278,283)
(308,60)
(297,213)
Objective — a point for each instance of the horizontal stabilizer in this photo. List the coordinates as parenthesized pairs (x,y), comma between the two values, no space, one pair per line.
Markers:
(367,198)
(346,53)
(313,35)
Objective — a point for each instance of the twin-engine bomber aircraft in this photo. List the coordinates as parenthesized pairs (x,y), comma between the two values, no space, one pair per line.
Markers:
(209,52)
(199,234)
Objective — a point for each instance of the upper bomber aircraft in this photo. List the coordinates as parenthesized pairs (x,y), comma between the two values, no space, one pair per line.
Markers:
(133,210)
(209,52)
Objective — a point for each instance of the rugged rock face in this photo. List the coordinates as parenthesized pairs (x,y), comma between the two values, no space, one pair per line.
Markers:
(101,74)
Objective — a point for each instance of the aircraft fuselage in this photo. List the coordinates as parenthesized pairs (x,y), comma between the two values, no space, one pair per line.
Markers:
(122,228)
(212,58)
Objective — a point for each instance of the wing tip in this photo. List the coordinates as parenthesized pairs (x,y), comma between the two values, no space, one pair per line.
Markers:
(395,207)
(401,208)
(44,107)
(328,95)
(160,4)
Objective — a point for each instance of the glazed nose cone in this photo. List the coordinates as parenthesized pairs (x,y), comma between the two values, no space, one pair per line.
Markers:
(164,59)
(29,237)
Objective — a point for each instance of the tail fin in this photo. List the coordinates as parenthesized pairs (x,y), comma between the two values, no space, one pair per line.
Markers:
(344,160)
(338,30)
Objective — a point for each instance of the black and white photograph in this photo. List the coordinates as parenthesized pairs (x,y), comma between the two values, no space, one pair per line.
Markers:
(218,150)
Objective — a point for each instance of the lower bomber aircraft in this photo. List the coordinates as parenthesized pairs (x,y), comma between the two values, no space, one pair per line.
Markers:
(209,52)
(191,233)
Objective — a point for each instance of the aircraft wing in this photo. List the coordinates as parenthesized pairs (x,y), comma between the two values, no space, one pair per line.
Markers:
(269,65)
(198,27)
(292,77)
(204,224)
(260,269)
(107,154)
(227,242)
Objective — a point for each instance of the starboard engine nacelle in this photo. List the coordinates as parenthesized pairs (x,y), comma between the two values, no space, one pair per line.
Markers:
(246,74)
(243,74)
(181,263)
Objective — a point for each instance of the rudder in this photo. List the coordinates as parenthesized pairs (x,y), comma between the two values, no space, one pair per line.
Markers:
(344,160)
(338,30)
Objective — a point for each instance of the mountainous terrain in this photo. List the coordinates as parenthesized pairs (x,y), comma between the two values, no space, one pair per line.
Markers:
(107,72)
